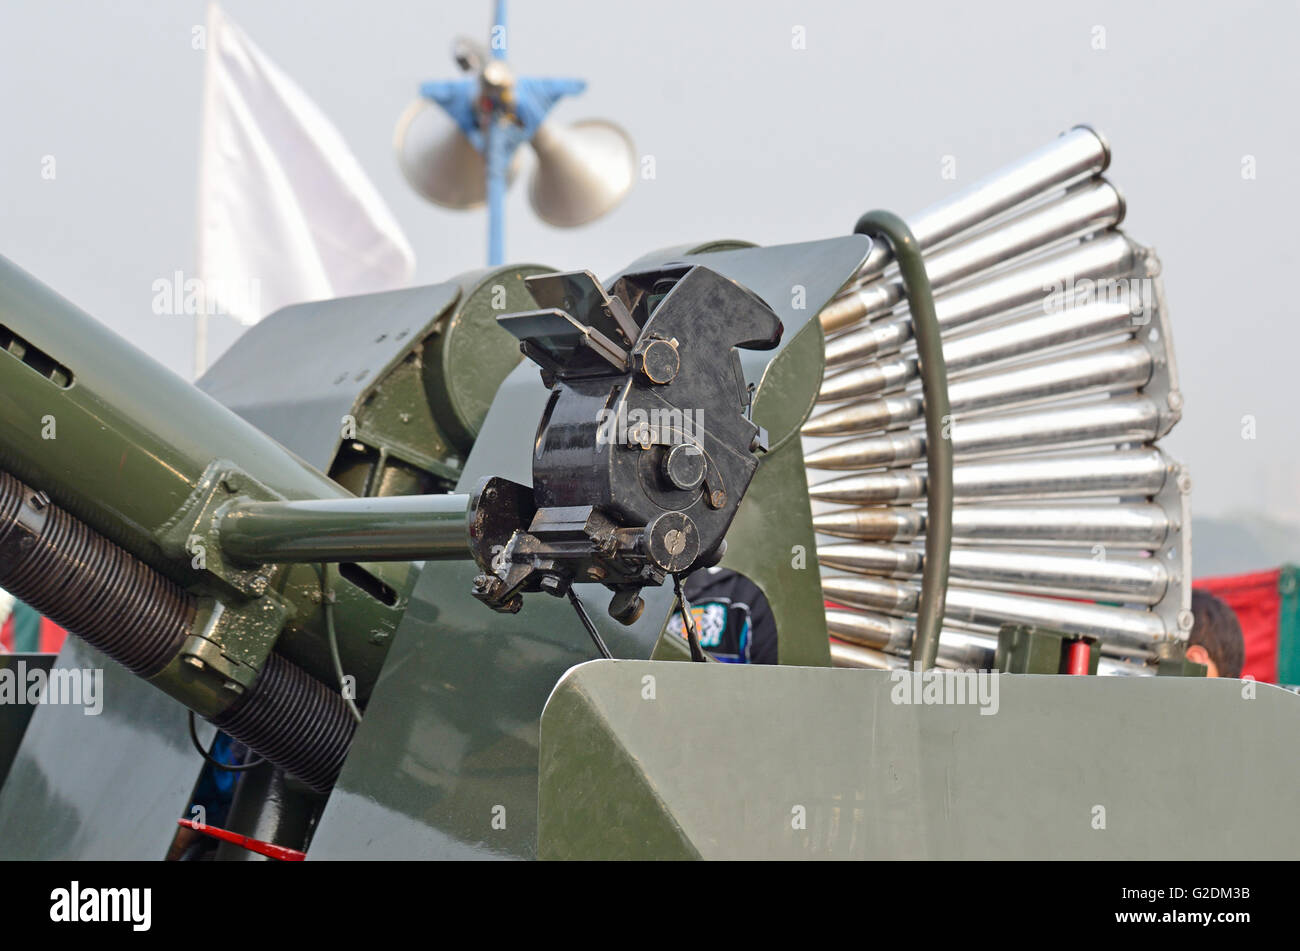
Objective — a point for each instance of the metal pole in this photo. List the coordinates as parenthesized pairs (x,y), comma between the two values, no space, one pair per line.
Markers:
(497,153)
(385,528)
(496,186)
(498,49)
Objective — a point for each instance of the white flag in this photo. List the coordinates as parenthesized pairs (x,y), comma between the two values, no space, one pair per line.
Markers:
(286,213)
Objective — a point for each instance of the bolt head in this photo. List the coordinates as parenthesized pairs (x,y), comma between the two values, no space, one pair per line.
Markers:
(626,607)
(553,585)
(659,361)
(683,466)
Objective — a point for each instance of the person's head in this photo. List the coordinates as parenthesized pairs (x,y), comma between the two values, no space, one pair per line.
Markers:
(1216,638)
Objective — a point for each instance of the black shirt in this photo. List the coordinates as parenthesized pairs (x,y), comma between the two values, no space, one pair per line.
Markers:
(731,617)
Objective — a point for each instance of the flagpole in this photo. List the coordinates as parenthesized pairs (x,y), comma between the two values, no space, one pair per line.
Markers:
(497,153)
(205,109)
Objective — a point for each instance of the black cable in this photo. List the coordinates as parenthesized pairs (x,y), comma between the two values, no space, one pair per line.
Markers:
(327,606)
(194,738)
(587,623)
(697,653)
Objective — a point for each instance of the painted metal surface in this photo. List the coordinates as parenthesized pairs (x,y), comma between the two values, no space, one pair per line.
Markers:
(471,354)
(833,768)
(378,528)
(15,715)
(449,743)
(109,786)
(771,541)
(414,370)
(298,373)
(445,762)
(111,434)
(137,453)
(795,280)
(444,765)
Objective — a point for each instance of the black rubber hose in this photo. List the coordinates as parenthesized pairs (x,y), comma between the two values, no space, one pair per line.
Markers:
(121,606)
(938,418)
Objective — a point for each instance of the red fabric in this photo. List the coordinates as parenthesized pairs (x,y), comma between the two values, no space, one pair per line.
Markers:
(52,637)
(1254,599)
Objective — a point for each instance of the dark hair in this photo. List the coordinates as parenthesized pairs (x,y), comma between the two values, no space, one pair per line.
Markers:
(1216,628)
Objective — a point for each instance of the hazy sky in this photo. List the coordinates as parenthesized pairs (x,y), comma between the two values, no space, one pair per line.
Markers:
(751,139)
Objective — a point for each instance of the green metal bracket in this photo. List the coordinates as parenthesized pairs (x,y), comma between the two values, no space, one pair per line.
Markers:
(192,532)
(233,640)
(1030,649)
(249,609)
(424,411)
(1176,664)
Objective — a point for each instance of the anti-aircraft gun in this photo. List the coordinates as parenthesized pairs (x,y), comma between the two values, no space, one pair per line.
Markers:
(364,544)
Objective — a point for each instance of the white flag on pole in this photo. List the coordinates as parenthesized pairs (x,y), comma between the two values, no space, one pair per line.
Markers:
(286,213)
